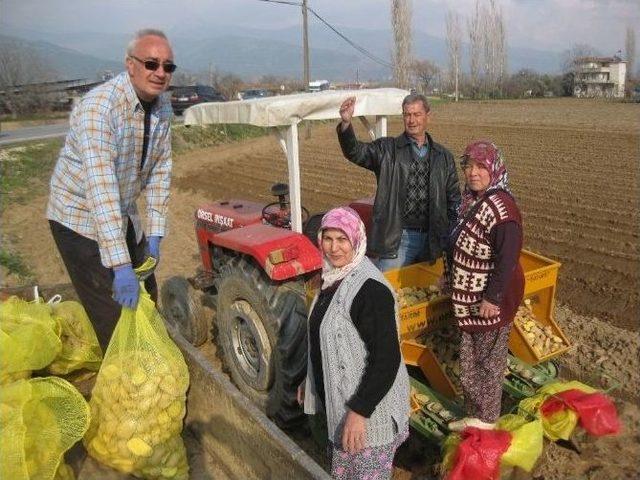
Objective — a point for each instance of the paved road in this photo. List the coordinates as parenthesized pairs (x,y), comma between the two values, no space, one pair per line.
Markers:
(43,131)
(32,133)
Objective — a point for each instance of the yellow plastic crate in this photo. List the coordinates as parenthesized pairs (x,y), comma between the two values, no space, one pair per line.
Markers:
(421,356)
(424,316)
(541,275)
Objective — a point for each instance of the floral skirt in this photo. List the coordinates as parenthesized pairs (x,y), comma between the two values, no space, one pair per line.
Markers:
(372,463)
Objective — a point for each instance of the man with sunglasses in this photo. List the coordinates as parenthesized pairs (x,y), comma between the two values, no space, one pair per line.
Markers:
(119,144)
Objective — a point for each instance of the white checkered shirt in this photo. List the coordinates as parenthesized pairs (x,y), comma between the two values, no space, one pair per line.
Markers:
(97,179)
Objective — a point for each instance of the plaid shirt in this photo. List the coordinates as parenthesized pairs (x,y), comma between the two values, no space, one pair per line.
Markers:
(98,178)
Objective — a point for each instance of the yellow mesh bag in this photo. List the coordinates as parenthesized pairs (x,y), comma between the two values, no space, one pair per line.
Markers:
(65,472)
(41,419)
(29,338)
(526,441)
(561,424)
(138,402)
(80,347)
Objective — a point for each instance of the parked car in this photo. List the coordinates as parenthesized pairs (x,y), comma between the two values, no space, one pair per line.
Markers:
(184,97)
(254,93)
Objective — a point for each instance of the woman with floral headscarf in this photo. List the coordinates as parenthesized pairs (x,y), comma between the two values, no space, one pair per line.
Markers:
(355,373)
(485,279)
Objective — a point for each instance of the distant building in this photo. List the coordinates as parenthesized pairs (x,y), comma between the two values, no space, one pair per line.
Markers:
(600,77)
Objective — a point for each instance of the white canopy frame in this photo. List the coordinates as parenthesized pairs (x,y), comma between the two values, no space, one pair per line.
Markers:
(283,114)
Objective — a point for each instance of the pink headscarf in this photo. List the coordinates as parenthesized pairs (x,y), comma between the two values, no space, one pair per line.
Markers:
(489,156)
(347,220)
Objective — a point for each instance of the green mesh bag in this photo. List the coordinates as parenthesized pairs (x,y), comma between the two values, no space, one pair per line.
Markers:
(40,420)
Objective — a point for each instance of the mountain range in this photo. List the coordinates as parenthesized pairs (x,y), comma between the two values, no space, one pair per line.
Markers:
(251,53)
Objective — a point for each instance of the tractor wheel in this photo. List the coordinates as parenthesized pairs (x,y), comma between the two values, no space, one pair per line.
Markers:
(182,307)
(262,335)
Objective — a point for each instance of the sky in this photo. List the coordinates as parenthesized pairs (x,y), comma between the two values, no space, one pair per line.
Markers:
(541,24)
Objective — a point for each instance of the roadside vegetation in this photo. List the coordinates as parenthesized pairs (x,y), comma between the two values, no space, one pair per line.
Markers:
(191,138)
(24,174)
(25,170)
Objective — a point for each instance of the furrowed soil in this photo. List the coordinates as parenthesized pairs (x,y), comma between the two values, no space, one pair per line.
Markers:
(573,167)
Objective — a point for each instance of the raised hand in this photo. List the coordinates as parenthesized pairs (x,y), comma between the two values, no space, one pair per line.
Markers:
(346,110)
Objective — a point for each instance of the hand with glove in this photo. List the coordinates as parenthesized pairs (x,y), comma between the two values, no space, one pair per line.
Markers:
(126,286)
(153,247)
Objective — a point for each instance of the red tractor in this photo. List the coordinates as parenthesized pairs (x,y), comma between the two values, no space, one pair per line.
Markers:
(258,260)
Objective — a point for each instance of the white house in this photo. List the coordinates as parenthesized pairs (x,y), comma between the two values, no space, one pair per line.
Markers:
(600,77)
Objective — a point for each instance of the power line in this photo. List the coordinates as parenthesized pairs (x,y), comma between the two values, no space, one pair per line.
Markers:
(360,49)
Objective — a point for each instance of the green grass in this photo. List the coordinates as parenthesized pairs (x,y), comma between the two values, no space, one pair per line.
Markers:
(190,138)
(33,117)
(15,264)
(25,170)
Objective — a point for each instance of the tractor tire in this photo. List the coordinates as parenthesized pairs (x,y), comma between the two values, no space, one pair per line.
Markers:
(181,305)
(262,338)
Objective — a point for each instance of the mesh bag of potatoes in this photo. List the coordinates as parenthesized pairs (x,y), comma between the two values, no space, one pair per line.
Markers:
(138,402)
(40,420)
(80,347)
(29,338)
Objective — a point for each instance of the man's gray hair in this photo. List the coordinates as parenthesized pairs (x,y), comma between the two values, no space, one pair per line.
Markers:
(143,33)
(416,97)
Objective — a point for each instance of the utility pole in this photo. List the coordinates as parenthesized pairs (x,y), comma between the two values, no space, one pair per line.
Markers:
(305,44)
(305,49)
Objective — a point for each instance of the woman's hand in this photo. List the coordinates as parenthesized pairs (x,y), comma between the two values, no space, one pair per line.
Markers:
(300,394)
(488,309)
(354,434)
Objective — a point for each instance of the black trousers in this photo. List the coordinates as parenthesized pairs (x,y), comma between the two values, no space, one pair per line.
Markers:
(92,280)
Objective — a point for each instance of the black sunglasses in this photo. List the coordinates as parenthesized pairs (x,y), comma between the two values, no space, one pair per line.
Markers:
(154,64)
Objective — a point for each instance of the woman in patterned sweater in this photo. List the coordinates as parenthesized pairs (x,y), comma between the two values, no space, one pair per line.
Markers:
(486,280)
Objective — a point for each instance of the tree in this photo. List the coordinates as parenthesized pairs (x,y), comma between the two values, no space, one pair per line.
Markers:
(454,41)
(424,72)
(571,56)
(22,67)
(401,21)
(569,62)
(474,28)
(630,51)
(494,60)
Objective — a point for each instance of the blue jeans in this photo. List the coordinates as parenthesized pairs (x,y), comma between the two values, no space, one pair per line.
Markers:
(411,246)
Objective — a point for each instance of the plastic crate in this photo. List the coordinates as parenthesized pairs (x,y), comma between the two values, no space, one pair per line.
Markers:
(427,423)
(515,384)
(421,356)
(425,316)
(541,275)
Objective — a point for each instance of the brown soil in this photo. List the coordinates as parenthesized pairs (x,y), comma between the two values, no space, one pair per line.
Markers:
(573,167)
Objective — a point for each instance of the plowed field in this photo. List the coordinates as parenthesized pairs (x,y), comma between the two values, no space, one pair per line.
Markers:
(573,167)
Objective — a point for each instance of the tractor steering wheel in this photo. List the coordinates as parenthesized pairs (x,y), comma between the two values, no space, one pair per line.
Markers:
(278,214)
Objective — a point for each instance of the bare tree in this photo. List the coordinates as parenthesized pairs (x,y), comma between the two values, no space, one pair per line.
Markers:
(630,51)
(22,73)
(401,21)
(571,56)
(475,48)
(425,72)
(494,47)
(454,41)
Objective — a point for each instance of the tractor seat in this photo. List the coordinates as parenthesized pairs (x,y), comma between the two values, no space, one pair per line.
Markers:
(312,226)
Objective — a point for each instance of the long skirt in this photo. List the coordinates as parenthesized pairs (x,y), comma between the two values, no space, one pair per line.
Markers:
(483,360)
(372,463)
